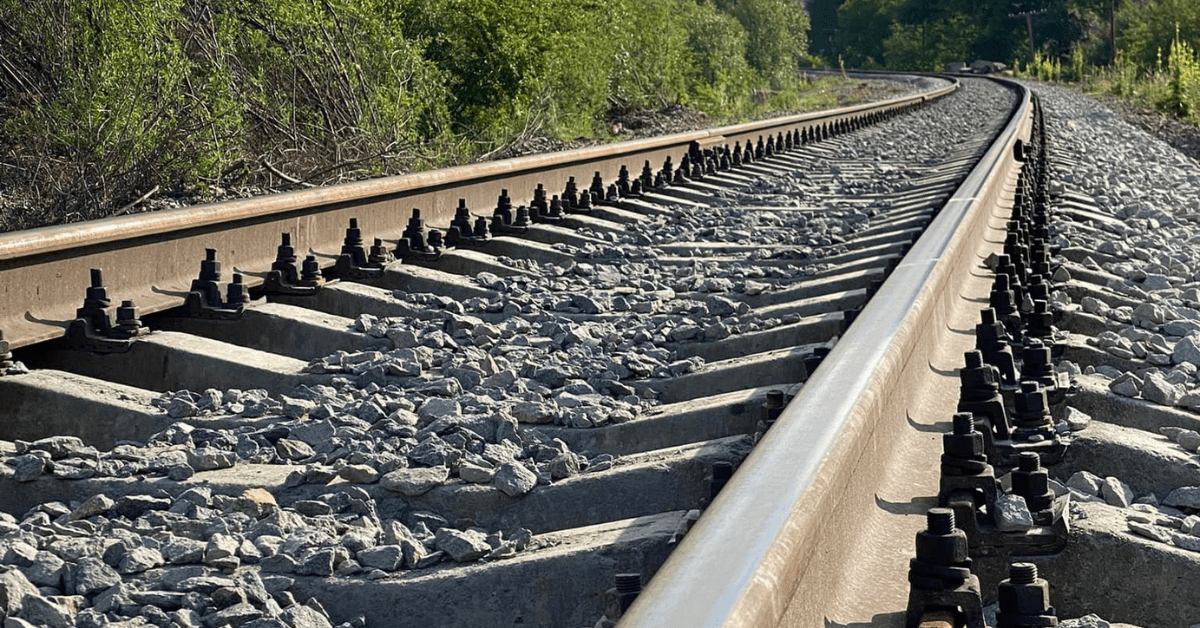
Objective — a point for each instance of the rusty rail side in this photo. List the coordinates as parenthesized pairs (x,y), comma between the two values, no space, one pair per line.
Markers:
(780,532)
(151,258)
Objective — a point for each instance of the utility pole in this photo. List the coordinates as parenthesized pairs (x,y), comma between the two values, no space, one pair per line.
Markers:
(1028,15)
(1112,32)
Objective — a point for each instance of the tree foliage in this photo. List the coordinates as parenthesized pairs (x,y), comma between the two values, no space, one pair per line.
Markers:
(115,97)
(925,34)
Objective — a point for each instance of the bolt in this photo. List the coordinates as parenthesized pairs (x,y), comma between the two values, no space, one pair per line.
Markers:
(964,423)
(379,254)
(481,228)
(1032,411)
(538,205)
(311,270)
(353,236)
(623,181)
(570,195)
(597,187)
(462,218)
(977,380)
(96,295)
(414,233)
(1023,573)
(628,582)
(848,317)
(626,587)
(522,219)
(236,294)
(1024,599)
(6,356)
(813,359)
(962,448)
(721,473)
(127,315)
(1031,481)
(942,545)
(504,207)
(285,254)
(940,521)
(773,406)
(647,174)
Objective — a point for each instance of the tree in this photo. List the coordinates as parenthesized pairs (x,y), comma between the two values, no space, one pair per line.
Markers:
(823,28)
(863,25)
(775,30)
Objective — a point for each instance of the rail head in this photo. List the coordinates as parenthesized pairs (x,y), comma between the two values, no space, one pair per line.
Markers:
(741,563)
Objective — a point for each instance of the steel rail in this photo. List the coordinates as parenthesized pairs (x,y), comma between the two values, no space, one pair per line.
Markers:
(151,258)
(780,529)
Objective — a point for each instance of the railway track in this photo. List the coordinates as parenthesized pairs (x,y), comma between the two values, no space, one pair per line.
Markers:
(519,416)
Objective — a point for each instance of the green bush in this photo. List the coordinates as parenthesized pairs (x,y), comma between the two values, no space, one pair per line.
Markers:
(111,99)
(103,100)
(721,77)
(1183,79)
(929,46)
(777,37)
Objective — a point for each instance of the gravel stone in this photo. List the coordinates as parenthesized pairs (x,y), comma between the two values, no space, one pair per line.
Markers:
(134,506)
(475,474)
(236,615)
(29,466)
(210,459)
(289,449)
(533,412)
(41,611)
(1150,531)
(1156,388)
(46,570)
(1183,497)
(1186,541)
(95,505)
(1085,482)
(462,546)
(90,575)
(140,559)
(319,562)
(257,503)
(563,466)
(385,557)
(1076,419)
(220,546)
(299,616)
(1087,621)
(1116,493)
(1127,385)
(438,407)
(15,588)
(514,479)
(182,550)
(1187,350)
(358,474)
(1188,439)
(1012,513)
(416,481)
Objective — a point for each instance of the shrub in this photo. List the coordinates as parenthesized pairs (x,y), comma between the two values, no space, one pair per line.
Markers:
(1184,79)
